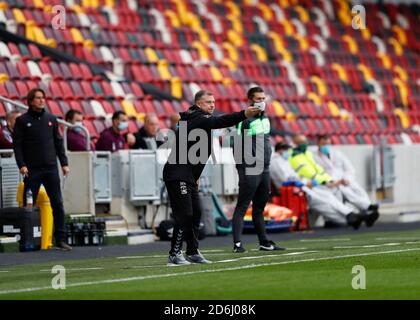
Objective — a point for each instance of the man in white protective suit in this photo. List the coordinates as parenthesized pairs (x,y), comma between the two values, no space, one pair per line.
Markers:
(339,167)
(321,198)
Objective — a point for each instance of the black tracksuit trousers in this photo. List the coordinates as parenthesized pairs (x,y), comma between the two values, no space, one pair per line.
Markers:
(50,178)
(257,189)
(186,210)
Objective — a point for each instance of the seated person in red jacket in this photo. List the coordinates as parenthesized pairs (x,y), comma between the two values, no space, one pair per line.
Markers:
(112,139)
(6,139)
(76,139)
(146,136)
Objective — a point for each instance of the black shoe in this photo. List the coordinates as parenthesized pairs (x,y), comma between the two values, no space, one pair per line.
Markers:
(354,220)
(373,207)
(270,246)
(331,225)
(238,248)
(371,218)
(64,246)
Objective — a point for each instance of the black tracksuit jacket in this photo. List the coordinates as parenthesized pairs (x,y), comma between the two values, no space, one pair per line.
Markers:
(37,141)
(195,119)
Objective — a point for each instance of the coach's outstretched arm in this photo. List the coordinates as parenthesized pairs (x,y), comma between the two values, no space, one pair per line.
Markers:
(229,120)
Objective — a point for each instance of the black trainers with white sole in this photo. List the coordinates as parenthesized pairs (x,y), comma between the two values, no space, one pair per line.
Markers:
(238,248)
(270,246)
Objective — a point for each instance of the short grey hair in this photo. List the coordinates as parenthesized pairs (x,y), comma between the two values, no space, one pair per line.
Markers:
(201,94)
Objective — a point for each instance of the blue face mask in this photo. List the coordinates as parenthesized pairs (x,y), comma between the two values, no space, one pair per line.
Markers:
(78,129)
(123,125)
(325,149)
(285,155)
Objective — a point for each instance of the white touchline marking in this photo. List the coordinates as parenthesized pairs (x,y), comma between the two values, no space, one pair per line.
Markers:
(4,271)
(288,248)
(271,256)
(74,269)
(215,250)
(369,246)
(397,239)
(413,242)
(168,275)
(165,256)
(324,240)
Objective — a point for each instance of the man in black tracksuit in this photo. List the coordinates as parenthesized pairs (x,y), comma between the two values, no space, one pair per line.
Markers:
(189,154)
(254,173)
(37,144)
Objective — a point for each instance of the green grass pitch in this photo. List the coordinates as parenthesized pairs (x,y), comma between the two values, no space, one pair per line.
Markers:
(316,268)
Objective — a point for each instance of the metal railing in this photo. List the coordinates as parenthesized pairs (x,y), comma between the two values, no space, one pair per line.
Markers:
(60,121)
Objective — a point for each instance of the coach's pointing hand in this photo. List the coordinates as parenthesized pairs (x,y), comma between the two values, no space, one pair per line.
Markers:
(252,112)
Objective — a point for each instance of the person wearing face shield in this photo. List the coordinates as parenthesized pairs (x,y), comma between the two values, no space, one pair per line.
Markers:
(320,200)
(112,139)
(253,166)
(76,140)
(37,144)
(341,170)
(302,161)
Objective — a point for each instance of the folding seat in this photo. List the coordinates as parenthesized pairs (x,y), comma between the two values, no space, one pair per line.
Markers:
(168,107)
(99,125)
(12,71)
(136,89)
(117,89)
(74,104)
(148,106)
(44,67)
(12,92)
(56,72)
(177,106)
(107,106)
(368,139)
(97,88)
(77,90)
(91,128)
(14,49)
(34,70)
(67,90)
(4,50)
(117,105)
(64,106)
(126,87)
(138,105)
(335,139)
(107,89)
(97,108)
(87,89)
(21,88)
(87,109)
(66,72)
(159,109)
(54,108)
(55,90)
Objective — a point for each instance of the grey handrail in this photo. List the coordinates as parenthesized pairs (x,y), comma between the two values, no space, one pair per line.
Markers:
(60,121)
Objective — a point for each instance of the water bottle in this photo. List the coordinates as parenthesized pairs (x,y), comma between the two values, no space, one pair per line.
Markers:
(29,199)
